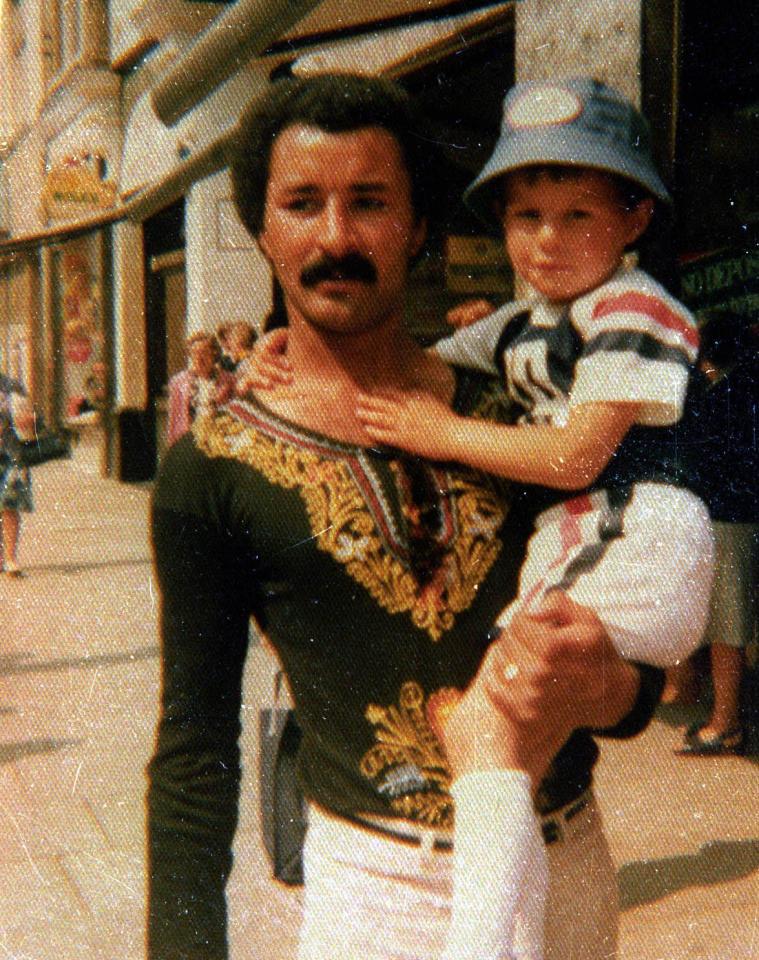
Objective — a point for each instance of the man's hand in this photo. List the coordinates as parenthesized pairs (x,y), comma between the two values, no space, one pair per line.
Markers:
(552,671)
(556,669)
(469,312)
(267,365)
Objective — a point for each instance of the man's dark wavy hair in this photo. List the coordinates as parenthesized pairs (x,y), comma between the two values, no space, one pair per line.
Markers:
(335,103)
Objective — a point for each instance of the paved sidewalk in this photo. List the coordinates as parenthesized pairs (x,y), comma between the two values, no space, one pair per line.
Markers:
(78,694)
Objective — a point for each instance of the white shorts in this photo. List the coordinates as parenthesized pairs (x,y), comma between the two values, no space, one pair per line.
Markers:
(371,897)
(645,566)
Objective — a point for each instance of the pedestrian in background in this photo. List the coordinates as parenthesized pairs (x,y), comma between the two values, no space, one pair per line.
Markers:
(726,446)
(16,423)
(198,389)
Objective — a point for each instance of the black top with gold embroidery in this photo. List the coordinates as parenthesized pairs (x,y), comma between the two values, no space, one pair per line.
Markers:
(377,580)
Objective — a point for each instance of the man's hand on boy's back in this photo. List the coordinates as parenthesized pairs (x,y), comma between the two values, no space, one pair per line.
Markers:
(468,312)
(267,365)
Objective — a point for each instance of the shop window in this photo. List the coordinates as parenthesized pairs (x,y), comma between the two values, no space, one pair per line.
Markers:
(80,335)
(461,97)
(717,190)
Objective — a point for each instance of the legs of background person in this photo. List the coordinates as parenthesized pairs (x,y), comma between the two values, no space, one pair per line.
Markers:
(11,526)
(731,622)
(682,684)
(727,671)
(379,899)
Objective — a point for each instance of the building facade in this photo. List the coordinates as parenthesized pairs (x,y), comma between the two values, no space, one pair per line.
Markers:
(119,236)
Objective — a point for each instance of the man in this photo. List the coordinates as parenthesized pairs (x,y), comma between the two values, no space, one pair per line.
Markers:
(376,578)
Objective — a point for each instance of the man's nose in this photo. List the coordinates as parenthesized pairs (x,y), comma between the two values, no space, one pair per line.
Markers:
(337,234)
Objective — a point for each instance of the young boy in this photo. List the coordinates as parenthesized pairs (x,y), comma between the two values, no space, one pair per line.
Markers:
(597,361)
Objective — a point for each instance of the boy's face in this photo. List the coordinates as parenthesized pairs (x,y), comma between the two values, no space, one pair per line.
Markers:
(566,237)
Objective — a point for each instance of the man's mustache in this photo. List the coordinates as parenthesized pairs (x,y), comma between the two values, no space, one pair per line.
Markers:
(350,267)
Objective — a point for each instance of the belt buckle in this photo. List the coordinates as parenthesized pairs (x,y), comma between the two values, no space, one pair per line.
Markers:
(553,827)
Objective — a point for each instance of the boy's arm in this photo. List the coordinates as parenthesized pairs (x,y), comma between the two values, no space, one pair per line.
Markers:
(565,458)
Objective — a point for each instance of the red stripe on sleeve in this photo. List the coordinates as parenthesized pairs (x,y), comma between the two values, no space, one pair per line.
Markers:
(657,310)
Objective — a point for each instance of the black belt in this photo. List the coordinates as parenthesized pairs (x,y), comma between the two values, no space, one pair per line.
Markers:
(552,826)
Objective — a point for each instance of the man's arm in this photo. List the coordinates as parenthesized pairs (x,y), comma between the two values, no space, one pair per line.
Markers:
(194,774)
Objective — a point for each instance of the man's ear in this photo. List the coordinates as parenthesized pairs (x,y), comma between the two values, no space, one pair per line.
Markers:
(640,217)
(262,243)
(418,236)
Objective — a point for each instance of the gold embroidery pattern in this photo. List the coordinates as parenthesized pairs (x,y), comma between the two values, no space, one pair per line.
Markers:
(408,764)
(343,525)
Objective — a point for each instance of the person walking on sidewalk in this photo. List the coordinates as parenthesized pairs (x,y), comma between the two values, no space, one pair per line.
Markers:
(376,576)
(726,448)
(16,419)
(198,389)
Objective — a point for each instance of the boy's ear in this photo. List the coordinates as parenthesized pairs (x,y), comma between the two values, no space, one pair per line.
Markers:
(640,217)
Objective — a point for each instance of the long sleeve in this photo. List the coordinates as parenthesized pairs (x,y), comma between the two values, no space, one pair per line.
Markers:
(646,702)
(194,775)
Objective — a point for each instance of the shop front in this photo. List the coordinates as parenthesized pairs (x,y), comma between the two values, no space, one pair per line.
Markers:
(203,269)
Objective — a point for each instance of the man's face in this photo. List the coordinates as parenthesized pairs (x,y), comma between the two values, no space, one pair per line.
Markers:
(566,237)
(339,229)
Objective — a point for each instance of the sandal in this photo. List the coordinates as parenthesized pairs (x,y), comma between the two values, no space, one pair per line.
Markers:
(721,744)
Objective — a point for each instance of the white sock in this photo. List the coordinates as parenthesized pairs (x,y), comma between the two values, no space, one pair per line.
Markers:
(500,870)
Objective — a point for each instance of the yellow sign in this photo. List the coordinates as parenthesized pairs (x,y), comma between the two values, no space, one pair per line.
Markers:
(476,265)
(73,187)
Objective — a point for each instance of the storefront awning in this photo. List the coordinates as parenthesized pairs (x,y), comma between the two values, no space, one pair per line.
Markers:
(160,162)
(59,233)
(255,27)
(399,51)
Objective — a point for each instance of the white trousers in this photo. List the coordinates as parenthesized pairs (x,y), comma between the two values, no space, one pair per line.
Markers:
(369,897)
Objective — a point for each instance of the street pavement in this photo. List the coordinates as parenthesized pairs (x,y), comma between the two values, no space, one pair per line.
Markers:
(78,698)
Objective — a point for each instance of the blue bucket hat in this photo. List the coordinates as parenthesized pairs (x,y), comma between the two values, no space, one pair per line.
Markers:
(578,122)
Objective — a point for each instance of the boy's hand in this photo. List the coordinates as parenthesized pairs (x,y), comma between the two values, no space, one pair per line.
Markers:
(418,423)
(267,365)
(469,312)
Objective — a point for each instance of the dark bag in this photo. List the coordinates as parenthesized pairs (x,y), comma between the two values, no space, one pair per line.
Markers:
(46,445)
(282,804)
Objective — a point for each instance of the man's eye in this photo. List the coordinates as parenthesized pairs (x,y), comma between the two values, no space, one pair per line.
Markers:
(578,215)
(369,203)
(301,205)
